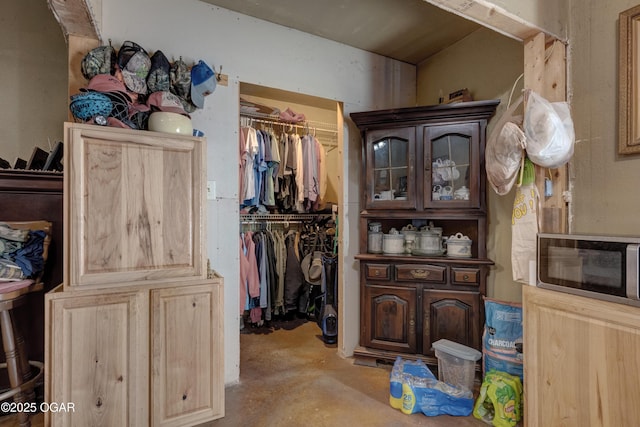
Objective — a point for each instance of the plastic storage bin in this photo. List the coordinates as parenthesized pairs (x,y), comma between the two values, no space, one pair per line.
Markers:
(456,363)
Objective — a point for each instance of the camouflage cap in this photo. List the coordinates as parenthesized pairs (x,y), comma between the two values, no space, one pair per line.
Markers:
(159,78)
(134,62)
(99,60)
(136,71)
(180,79)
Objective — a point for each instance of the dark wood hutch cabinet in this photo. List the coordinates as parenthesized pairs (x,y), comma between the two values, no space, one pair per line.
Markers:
(410,155)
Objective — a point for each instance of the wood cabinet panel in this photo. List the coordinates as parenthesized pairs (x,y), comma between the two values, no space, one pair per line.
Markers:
(135,206)
(187,360)
(389,318)
(450,315)
(581,365)
(421,273)
(465,276)
(392,158)
(378,271)
(97,352)
(138,355)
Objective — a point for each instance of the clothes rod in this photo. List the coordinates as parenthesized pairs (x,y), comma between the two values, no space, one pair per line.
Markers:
(282,217)
(317,126)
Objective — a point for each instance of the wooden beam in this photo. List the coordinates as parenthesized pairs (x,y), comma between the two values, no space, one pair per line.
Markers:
(545,73)
(491,16)
(74,17)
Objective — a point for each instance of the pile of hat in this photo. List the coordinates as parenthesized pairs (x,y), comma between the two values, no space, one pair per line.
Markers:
(126,88)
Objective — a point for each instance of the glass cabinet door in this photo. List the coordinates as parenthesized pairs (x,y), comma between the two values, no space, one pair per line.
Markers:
(390,181)
(451,163)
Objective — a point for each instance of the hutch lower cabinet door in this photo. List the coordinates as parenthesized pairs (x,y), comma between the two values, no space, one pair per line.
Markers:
(451,315)
(139,356)
(389,318)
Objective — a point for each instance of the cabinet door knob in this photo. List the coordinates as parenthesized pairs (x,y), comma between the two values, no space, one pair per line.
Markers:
(420,274)
(377,273)
(465,277)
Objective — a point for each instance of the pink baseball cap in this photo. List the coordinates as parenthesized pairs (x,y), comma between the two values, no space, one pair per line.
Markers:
(106,83)
(164,100)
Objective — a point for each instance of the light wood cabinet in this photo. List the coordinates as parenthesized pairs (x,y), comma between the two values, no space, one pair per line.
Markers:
(134,333)
(136,356)
(581,360)
(134,206)
(409,300)
(97,352)
(186,360)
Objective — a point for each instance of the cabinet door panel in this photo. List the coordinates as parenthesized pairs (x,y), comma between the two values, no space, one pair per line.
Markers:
(452,166)
(390,176)
(450,315)
(187,358)
(97,358)
(581,366)
(135,206)
(389,318)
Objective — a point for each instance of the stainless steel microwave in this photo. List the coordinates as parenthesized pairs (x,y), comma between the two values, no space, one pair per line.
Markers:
(603,267)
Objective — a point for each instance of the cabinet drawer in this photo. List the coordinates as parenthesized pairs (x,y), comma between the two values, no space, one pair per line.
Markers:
(465,276)
(421,273)
(377,271)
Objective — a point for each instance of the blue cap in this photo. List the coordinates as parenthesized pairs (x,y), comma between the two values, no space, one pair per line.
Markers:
(203,83)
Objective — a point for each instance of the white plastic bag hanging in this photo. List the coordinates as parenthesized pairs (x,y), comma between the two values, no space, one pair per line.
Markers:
(548,128)
(504,151)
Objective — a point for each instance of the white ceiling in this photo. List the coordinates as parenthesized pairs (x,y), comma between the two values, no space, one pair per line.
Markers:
(407,30)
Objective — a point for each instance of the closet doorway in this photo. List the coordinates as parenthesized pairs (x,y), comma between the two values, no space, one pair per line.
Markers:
(303,237)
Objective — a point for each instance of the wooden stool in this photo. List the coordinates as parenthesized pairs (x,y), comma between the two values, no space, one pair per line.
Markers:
(12,295)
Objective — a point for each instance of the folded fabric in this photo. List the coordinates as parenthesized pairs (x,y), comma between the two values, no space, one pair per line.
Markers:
(9,270)
(29,257)
(8,246)
(290,116)
(10,233)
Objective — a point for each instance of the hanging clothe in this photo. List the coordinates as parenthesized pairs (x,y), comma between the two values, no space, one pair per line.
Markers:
(283,173)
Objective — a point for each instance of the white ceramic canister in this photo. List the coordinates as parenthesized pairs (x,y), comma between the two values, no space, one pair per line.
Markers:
(459,246)
(393,243)
(428,242)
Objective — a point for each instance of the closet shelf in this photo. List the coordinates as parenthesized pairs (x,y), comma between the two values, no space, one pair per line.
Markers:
(307,124)
(251,218)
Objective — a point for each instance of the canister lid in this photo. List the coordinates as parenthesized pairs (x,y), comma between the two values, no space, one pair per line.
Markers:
(457,349)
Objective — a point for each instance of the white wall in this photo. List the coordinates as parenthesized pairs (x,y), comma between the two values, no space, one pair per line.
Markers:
(261,53)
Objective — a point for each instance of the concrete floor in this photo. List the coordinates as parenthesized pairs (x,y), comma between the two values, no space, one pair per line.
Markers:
(292,378)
